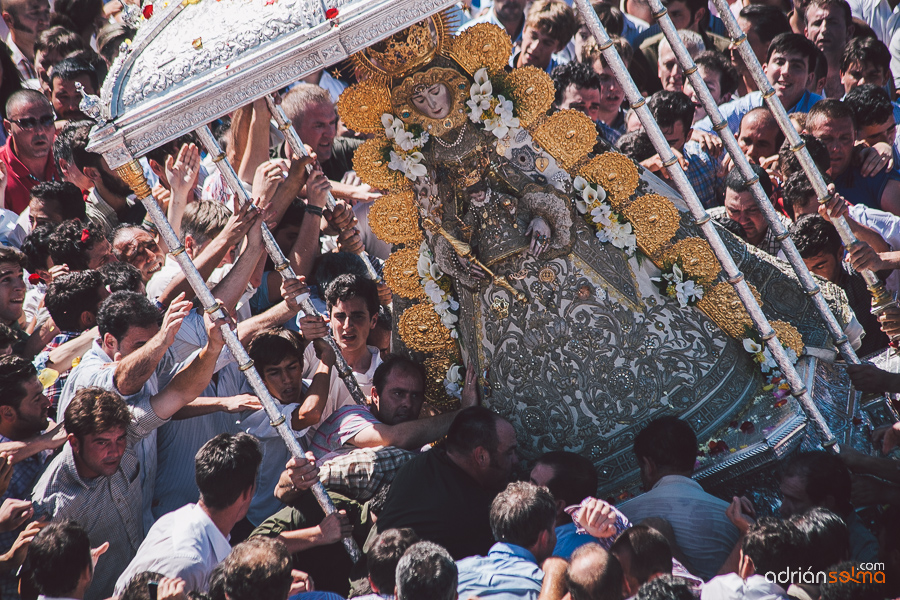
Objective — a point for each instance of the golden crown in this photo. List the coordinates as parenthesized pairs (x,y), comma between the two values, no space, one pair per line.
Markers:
(406,50)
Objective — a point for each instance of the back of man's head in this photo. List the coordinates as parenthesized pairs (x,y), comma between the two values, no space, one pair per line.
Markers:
(666,587)
(138,588)
(426,572)
(870,104)
(814,236)
(772,544)
(521,512)
(72,294)
(574,476)
(203,220)
(121,277)
(383,556)
(643,553)
(58,557)
(71,242)
(225,467)
(788,162)
(736,181)
(473,427)
(256,569)
(123,310)
(594,574)
(670,443)
(824,536)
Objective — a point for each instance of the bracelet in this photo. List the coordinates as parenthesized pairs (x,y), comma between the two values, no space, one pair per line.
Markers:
(314,210)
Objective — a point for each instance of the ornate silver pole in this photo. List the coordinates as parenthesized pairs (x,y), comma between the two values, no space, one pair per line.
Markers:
(132,173)
(296,144)
(282,265)
(735,277)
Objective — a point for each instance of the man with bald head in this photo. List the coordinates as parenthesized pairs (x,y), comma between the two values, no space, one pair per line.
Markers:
(26,19)
(594,573)
(759,136)
(28,152)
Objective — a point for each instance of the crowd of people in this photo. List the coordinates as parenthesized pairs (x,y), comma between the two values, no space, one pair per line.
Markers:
(135,459)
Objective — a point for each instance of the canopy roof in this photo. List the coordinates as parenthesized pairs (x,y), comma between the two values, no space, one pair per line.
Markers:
(191,63)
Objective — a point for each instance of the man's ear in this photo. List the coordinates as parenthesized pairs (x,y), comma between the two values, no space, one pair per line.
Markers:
(746,568)
(76,446)
(87,319)
(8,19)
(92,173)
(699,16)
(7,413)
(158,169)
(482,456)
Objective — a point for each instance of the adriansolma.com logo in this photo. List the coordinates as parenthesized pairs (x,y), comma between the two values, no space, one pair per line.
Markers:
(865,573)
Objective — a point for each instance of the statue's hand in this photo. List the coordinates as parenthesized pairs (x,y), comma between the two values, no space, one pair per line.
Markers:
(540,235)
(471,268)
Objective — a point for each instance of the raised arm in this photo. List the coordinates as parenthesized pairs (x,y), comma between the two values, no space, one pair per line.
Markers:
(309,413)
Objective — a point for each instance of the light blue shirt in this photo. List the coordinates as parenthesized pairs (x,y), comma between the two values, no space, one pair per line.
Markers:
(508,572)
(735,110)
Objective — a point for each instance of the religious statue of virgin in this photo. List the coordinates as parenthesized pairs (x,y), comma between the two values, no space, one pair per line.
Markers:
(577,285)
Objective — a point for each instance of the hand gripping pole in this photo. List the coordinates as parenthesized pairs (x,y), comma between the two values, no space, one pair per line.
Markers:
(132,173)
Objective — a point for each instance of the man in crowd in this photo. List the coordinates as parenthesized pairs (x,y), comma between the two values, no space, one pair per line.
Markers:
(760,137)
(873,112)
(643,554)
(720,77)
(741,206)
(26,19)
(64,96)
(829,26)
(29,125)
(54,202)
(508,14)
(189,542)
(61,561)
(426,572)
(257,568)
(669,70)
(382,558)
(80,246)
(577,87)
(549,27)
(594,573)
(761,23)
(865,61)
(137,247)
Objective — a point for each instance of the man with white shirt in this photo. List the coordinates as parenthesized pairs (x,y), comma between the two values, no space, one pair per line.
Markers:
(666,451)
(190,542)
(26,19)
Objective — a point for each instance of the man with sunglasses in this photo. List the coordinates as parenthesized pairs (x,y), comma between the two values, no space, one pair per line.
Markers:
(28,153)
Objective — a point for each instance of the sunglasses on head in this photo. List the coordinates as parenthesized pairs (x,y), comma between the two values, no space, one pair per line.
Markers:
(29,123)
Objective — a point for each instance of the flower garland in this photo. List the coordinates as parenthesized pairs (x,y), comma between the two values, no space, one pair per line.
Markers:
(404,156)
(768,366)
(673,283)
(612,227)
(494,113)
(437,288)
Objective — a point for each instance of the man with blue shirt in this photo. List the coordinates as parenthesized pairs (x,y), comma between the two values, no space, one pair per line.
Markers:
(832,122)
(790,68)
(522,520)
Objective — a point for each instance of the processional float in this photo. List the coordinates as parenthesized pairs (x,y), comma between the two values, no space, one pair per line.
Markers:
(573,346)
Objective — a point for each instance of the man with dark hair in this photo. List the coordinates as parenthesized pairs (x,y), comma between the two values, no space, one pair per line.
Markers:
(570,478)
(12,292)
(822,251)
(819,479)
(96,479)
(691,15)
(834,124)
(426,572)
(873,112)
(108,202)
(64,156)
(121,277)
(189,542)
(644,555)
(666,587)
(26,19)
(28,155)
(720,77)
(577,87)
(60,561)
(50,47)
(523,519)
(761,23)
(741,206)
(23,417)
(382,558)
(825,542)
(865,61)
(445,494)
(666,450)
(829,24)
(80,246)
(63,94)
(769,547)
(54,202)
(257,568)
(594,574)
(73,300)
(760,137)
(674,112)
(790,68)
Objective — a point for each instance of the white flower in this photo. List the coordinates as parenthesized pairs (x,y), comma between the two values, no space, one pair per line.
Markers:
(454,374)
(687,291)
(601,215)
(768,362)
(454,390)
(752,347)
(621,236)
(415,168)
(579,183)
(449,320)
(405,140)
(433,291)
(792,356)
(435,271)
(676,271)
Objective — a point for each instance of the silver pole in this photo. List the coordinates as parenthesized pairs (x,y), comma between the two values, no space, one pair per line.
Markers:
(881,298)
(703,220)
(296,144)
(282,265)
(132,173)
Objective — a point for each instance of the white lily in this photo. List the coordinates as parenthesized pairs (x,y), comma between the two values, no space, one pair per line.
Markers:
(752,347)
(579,183)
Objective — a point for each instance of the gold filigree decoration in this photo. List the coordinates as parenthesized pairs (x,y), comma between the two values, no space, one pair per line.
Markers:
(421,329)
(788,336)
(532,93)
(371,164)
(445,88)
(436,368)
(401,273)
(655,221)
(568,135)
(482,46)
(361,106)
(404,51)
(722,305)
(393,218)
(615,173)
(697,259)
